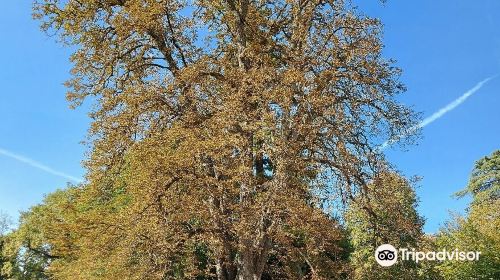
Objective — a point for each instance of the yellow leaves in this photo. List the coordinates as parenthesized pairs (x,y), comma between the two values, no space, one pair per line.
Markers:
(232,136)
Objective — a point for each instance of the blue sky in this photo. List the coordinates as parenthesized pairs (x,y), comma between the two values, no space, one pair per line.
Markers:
(444,47)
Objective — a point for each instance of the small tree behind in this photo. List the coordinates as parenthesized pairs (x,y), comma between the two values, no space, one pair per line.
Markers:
(478,231)
(385,214)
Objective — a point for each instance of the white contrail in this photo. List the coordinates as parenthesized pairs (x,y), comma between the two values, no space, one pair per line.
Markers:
(453,104)
(443,110)
(38,165)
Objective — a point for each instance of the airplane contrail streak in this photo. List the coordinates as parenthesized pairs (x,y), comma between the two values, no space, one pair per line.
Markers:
(452,105)
(38,165)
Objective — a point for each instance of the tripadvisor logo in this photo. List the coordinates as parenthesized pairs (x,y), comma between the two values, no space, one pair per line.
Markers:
(387,255)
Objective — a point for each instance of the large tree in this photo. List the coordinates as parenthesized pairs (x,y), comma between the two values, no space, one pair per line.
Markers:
(219,130)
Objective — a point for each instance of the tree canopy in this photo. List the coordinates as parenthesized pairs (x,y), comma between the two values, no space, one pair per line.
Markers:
(220,131)
(478,230)
(392,219)
(484,183)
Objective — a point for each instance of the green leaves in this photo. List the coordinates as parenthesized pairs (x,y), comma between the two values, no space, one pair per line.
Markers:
(478,230)
(484,183)
(385,214)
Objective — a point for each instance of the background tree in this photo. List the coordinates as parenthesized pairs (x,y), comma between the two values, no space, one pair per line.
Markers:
(478,231)
(5,224)
(484,183)
(44,239)
(391,218)
(219,128)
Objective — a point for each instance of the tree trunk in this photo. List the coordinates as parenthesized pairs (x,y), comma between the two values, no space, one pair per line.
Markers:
(247,268)
(252,261)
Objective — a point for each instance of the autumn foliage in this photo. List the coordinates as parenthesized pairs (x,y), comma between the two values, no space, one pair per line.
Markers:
(221,131)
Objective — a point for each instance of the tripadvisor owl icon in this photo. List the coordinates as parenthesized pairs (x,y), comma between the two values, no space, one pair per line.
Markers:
(386,255)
